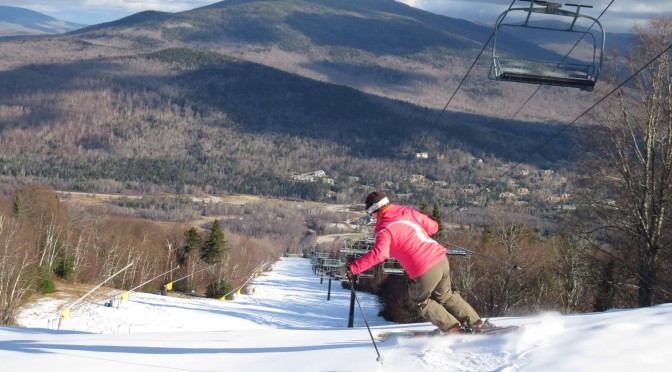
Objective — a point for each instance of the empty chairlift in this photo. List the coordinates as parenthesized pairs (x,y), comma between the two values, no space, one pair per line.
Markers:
(354,250)
(542,24)
(392,267)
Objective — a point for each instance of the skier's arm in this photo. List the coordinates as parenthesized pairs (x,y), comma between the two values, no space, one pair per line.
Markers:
(378,253)
(428,224)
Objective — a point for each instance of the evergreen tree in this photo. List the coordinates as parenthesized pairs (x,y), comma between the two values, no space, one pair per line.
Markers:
(214,247)
(193,241)
(217,289)
(17,206)
(424,208)
(436,216)
(488,235)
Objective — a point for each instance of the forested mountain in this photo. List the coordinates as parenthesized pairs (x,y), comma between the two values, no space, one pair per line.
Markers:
(239,95)
(381,47)
(19,21)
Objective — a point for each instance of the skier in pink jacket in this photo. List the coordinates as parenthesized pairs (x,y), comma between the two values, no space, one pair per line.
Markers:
(405,234)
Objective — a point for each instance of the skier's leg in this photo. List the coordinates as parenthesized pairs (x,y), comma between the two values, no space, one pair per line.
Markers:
(452,301)
(420,292)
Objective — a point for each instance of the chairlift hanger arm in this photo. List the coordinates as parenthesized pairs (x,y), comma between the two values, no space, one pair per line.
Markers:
(548,7)
(573,14)
(579,6)
(532,9)
(578,9)
(553,4)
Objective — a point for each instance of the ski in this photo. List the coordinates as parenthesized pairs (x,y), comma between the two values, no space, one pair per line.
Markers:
(411,333)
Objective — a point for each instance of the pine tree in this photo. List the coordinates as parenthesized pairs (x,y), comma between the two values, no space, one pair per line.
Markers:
(214,247)
(17,206)
(488,234)
(424,208)
(436,216)
(193,241)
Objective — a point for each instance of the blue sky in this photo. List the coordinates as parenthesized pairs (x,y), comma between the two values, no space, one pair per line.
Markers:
(619,17)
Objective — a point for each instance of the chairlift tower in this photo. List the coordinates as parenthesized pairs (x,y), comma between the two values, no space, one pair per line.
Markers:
(579,73)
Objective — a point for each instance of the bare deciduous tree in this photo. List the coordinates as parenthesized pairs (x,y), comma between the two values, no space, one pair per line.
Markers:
(629,164)
(15,264)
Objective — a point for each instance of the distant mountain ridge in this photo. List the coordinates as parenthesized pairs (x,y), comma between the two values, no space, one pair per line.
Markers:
(301,24)
(381,47)
(16,21)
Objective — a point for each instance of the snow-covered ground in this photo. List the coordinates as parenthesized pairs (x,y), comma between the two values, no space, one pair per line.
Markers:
(287,324)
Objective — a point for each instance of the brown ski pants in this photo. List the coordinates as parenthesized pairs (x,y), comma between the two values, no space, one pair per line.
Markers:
(437,302)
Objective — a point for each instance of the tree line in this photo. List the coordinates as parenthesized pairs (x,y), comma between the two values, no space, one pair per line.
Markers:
(44,240)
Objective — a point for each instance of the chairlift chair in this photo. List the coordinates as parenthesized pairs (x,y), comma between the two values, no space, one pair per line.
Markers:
(456,252)
(582,75)
(392,267)
(358,247)
(370,273)
(333,262)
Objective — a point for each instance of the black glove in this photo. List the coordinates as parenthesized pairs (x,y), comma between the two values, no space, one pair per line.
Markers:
(345,272)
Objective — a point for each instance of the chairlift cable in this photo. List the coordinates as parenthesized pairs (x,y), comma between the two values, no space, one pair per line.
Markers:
(504,263)
(552,137)
(548,140)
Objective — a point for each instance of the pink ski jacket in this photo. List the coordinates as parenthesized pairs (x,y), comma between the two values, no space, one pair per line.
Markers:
(403,233)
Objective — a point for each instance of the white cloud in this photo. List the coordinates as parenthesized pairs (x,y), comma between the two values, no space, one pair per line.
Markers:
(136,6)
(97,11)
(619,17)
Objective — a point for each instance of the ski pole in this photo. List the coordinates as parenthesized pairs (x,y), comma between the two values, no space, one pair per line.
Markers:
(352,287)
(514,266)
